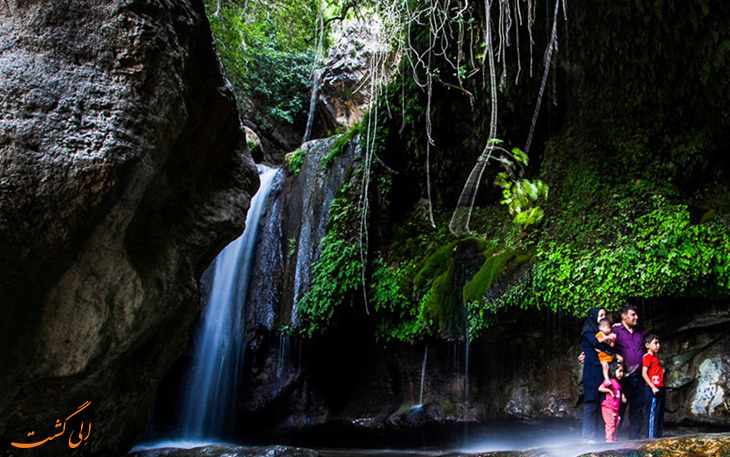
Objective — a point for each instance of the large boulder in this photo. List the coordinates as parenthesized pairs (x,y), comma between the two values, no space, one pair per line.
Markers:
(123,171)
(348,77)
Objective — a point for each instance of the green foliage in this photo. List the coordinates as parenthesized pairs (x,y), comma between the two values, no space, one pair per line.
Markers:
(340,144)
(387,291)
(661,255)
(228,25)
(295,160)
(334,276)
(338,271)
(391,294)
(252,146)
(279,81)
(266,49)
(520,195)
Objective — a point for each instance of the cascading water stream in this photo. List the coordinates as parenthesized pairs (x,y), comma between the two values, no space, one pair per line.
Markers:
(316,82)
(208,406)
(423,375)
(466,368)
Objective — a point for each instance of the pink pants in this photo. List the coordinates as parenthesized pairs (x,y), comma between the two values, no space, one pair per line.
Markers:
(611,418)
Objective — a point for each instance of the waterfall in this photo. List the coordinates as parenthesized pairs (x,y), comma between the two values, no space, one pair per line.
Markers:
(423,375)
(283,353)
(316,82)
(207,410)
(466,367)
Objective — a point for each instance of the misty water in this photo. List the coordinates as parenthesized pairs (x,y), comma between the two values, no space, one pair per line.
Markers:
(559,439)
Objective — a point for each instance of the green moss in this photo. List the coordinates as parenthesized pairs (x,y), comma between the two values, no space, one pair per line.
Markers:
(480,297)
(340,144)
(447,406)
(423,298)
(475,289)
(435,265)
(294,160)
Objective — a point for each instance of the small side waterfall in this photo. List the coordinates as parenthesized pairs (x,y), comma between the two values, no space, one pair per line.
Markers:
(316,83)
(207,410)
(423,375)
(466,367)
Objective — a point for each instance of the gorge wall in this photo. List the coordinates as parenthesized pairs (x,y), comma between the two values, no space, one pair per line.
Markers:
(523,368)
(123,170)
(629,156)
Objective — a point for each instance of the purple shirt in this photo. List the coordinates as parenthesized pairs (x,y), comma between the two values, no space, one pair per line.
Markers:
(631,347)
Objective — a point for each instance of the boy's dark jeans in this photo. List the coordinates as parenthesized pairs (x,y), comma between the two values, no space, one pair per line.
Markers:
(633,387)
(654,417)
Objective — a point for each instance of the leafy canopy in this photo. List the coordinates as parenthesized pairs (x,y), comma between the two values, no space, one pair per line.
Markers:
(267,51)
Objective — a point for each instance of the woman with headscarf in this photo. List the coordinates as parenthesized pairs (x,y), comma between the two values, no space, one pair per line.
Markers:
(592,375)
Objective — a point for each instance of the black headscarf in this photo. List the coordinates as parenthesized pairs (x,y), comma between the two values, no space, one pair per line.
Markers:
(591,324)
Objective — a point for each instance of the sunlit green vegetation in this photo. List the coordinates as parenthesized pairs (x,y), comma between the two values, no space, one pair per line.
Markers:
(267,49)
(623,176)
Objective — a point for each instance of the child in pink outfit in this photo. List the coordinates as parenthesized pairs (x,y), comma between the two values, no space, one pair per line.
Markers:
(612,403)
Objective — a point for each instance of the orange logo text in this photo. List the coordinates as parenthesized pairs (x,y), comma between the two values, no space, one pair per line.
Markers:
(74,439)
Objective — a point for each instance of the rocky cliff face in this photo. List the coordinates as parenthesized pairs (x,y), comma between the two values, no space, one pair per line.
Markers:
(349,74)
(526,370)
(295,223)
(123,171)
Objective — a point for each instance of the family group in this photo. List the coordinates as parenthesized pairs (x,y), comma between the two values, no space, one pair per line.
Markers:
(621,371)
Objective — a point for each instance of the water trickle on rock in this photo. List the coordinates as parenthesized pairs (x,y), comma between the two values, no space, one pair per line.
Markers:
(295,223)
(423,375)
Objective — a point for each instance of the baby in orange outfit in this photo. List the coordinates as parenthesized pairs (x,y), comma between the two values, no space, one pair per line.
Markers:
(606,339)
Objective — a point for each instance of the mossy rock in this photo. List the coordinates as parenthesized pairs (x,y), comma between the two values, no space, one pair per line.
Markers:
(442,278)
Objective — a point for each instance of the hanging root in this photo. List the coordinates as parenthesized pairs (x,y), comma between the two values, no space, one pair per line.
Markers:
(462,214)
(548,58)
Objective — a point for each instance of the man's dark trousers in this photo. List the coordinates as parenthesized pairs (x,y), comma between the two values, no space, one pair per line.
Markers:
(633,387)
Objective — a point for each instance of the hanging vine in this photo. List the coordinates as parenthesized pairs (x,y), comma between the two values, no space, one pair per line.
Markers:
(400,33)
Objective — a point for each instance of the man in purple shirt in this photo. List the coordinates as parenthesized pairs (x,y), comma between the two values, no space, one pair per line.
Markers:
(630,346)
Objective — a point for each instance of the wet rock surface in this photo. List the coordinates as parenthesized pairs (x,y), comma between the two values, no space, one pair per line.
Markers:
(295,223)
(707,445)
(123,171)
(228,451)
(526,370)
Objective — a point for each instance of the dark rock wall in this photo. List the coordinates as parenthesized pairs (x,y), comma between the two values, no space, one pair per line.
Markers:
(123,170)
(295,222)
(525,370)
